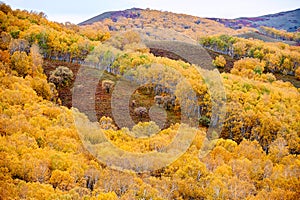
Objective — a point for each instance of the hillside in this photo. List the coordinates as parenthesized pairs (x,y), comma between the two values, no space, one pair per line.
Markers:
(154,20)
(289,21)
(158,25)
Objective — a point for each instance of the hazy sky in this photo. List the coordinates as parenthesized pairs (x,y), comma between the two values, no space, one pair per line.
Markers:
(78,11)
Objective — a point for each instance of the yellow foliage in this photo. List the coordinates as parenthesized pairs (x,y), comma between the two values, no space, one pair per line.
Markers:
(42,156)
(61,180)
(21,63)
(107,196)
(297,73)
(219,61)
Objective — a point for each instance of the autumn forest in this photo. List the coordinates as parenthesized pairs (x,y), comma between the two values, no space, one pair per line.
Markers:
(120,108)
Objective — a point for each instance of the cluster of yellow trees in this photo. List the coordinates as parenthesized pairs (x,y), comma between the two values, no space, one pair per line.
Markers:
(42,156)
(281,34)
(278,57)
(56,41)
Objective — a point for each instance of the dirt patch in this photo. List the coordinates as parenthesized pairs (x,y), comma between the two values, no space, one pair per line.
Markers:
(163,53)
(229,61)
(102,105)
(64,93)
(288,78)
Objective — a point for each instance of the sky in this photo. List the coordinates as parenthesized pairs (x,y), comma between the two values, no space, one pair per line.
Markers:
(78,11)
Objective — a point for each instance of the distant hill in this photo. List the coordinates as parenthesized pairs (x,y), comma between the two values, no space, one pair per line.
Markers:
(158,24)
(114,15)
(289,21)
(154,24)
